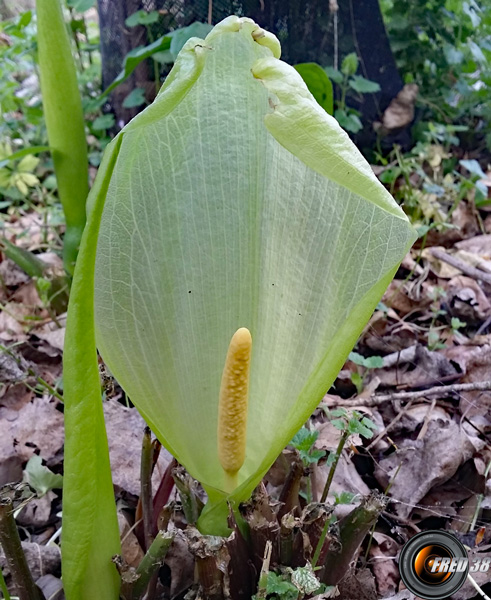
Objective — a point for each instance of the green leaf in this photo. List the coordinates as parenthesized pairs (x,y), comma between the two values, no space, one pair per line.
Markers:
(90,525)
(268,219)
(344,497)
(357,381)
(368,423)
(372,362)
(473,167)
(318,83)
(27,164)
(40,477)
(164,58)
(339,424)
(337,412)
(22,153)
(135,57)
(81,5)
(348,120)
(476,52)
(304,580)
(276,584)
(25,19)
(362,85)
(142,17)
(334,75)
(103,122)
(304,439)
(364,431)
(349,66)
(135,98)
(457,323)
(313,456)
(182,35)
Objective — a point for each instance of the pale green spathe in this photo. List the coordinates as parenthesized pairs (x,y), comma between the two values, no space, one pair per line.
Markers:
(236,201)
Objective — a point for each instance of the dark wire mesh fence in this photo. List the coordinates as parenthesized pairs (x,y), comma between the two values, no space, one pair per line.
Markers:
(321,31)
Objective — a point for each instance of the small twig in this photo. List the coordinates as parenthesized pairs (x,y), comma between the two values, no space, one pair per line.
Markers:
(476,586)
(442,390)
(395,420)
(320,543)
(332,470)
(480,498)
(426,422)
(386,492)
(484,326)
(210,11)
(263,577)
(16,560)
(461,265)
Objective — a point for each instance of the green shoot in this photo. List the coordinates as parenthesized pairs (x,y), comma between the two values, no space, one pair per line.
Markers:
(64,122)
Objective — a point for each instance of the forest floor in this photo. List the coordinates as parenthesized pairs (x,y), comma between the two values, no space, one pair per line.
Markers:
(421,373)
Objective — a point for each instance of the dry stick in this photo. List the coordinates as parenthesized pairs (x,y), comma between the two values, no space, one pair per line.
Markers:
(461,265)
(476,586)
(395,420)
(480,498)
(16,560)
(263,577)
(426,422)
(146,486)
(386,493)
(480,386)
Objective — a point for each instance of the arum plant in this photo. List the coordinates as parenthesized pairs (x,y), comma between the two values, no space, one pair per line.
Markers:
(237,243)
(64,122)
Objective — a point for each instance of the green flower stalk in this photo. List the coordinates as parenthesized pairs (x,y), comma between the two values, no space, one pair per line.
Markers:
(233,201)
(64,121)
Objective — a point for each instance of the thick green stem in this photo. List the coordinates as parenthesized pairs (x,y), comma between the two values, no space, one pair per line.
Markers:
(151,562)
(90,524)
(16,560)
(352,530)
(64,122)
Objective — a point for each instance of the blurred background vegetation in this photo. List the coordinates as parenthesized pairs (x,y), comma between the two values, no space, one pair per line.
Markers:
(408,79)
